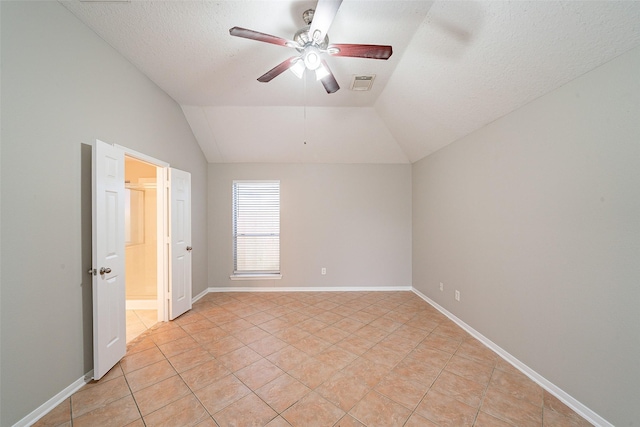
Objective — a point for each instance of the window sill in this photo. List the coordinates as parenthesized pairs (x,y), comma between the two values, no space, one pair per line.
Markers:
(255,277)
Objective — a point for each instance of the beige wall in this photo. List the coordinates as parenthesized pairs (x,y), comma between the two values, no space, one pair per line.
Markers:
(536,220)
(141,255)
(62,88)
(354,220)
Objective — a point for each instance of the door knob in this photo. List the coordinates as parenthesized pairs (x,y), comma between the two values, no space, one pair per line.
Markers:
(189,248)
(105,270)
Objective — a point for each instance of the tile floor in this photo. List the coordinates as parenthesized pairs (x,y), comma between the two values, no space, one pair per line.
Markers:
(138,321)
(311,359)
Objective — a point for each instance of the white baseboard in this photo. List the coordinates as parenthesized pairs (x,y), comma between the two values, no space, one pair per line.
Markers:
(564,397)
(50,404)
(200,295)
(142,304)
(308,289)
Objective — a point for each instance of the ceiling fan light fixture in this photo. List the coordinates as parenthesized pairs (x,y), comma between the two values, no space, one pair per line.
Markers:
(298,68)
(321,72)
(312,58)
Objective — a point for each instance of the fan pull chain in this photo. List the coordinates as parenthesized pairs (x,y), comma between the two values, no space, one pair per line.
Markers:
(304,121)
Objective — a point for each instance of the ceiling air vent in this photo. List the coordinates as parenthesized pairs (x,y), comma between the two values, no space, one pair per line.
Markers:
(360,83)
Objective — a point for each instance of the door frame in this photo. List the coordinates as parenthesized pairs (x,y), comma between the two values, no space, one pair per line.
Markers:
(162,229)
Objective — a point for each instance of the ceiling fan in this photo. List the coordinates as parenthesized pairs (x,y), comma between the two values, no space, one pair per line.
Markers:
(311,42)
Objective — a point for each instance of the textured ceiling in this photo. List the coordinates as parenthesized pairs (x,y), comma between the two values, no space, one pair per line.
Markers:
(456,66)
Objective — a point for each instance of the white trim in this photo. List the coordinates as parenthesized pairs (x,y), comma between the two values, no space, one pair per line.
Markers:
(563,396)
(309,289)
(142,304)
(143,157)
(255,276)
(50,404)
(200,295)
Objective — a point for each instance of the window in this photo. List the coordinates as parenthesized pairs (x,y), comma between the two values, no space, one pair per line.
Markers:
(256,228)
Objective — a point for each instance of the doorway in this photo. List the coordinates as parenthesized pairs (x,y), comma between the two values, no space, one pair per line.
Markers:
(141,245)
(173,246)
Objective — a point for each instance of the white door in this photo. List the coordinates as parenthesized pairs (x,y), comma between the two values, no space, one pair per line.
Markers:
(180,238)
(109,315)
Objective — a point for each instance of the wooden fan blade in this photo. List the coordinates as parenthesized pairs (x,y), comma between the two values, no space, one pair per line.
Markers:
(329,82)
(278,69)
(323,17)
(372,51)
(261,37)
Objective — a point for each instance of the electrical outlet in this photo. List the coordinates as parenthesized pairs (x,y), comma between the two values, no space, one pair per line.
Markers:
(457,295)
(441,286)
(323,271)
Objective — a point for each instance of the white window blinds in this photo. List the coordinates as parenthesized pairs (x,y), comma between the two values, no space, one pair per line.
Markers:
(256,227)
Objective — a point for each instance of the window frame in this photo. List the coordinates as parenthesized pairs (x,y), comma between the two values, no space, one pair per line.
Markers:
(253,274)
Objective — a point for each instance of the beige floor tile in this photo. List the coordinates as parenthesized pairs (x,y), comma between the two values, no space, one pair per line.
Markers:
(220,394)
(168,335)
(179,346)
(282,392)
(442,343)
(144,342)
(86,400)
(445,410)
(349,421)
(469,369)
(367,371)
(348,325)
(510,409)
(134,329)
(291,334)
(485,420)
(384,356)
(224,346)
(115,414)
(416,420)
(204,374)
(184,412)
(331,334)
(238,359)
(59,416)
(464,390)
(268,345)
(190,359)
(475,350)
(336,357)
(517,385)
(141,359)
(149,375)
(312,345)
(148,317)
(252,334)
(199,325)
(355,344)
(343,390)
(376,355)
(313,411)
(404,391)
(376,410)
(258,374)
(248,411)
(551,418)
(553,403)
(288,358)
(312,325)
(160,394)
(371,333)
(313,372)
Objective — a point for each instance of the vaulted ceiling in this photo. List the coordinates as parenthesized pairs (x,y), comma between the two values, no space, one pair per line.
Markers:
(456,66)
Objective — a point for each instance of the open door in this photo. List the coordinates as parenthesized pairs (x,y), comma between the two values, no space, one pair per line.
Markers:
(109,315)
(180,238)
